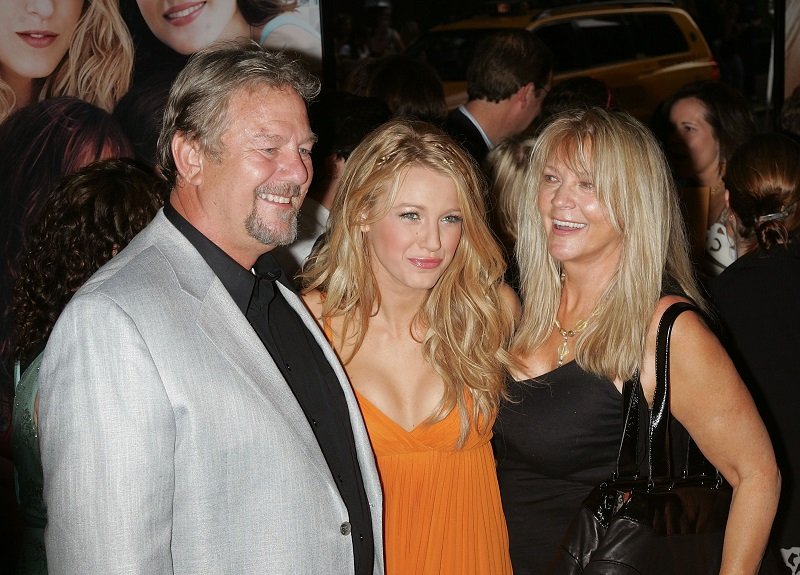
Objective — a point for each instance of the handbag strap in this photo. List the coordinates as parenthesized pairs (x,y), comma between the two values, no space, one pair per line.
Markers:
(659,454)
(627,457)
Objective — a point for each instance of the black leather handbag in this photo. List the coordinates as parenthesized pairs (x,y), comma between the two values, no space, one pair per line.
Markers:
(669,521)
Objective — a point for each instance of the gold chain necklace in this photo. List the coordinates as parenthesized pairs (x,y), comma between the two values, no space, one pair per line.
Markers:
(563,349)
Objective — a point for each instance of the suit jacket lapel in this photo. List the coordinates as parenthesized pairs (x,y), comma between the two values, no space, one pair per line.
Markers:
(363,446)
(231,333)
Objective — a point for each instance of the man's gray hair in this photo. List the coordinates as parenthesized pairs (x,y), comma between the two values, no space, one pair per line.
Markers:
(198,100)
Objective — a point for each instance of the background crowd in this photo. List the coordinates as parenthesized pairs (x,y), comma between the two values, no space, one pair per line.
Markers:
(699,204)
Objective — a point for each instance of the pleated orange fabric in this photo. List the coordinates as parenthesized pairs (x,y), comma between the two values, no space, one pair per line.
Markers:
(442,510)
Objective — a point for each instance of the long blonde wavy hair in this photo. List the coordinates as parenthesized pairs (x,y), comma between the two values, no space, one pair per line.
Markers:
(98,65)
(463,324)
(633,182)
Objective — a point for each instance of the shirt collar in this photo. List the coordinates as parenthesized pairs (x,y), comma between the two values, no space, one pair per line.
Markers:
(238,281)
(472,119)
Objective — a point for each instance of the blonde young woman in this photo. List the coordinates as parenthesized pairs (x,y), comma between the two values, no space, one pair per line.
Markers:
(48,48)
(602,253)
(409,289)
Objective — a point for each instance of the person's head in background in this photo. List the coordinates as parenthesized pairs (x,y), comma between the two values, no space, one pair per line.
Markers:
(510,73)
(763,183)
(701,125)
(411,88)
(92,215)
(359,75)
(340,120)
(53,48)
(577,92)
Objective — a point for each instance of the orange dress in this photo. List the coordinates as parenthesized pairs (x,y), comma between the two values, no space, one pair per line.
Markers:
(442,510)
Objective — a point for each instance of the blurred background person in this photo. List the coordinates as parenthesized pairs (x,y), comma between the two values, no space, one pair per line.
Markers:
(507,167)
(700,126)
(508,77)
(757,300)
(383,39)
(575,92)
(359,75)
(52,48)
(409,290)
(602,254)
(91,216)
(340,121)
(410,32)
(411,88)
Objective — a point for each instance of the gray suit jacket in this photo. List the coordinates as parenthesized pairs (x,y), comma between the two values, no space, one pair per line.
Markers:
(171,443)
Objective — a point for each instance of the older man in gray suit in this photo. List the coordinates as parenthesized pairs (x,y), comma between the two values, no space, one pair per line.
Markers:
(193,417)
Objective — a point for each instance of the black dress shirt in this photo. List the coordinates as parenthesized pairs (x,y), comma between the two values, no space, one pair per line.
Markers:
(306,370)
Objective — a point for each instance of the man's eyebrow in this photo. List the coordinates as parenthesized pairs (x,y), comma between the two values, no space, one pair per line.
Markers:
(277,138)
(267,136)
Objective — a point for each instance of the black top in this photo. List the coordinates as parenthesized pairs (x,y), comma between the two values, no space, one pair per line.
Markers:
(758,300)
(305,368)
(555,439)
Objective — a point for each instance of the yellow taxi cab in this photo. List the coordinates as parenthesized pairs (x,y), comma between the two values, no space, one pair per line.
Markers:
(643,50)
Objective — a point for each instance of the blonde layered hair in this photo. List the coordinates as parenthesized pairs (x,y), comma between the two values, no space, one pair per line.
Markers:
(633,182)
(463,325)
(98,65)
(507,164)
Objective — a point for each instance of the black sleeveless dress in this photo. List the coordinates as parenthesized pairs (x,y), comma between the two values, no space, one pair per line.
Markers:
(554,441)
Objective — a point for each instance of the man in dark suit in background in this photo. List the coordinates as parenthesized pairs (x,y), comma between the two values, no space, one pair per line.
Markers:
(507,79)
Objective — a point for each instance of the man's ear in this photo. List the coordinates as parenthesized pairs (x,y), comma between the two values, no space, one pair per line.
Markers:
(526,93)
(188,159)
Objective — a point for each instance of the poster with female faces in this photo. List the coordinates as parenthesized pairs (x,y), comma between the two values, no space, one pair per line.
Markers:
(186,27)
(62,48)
(85,49)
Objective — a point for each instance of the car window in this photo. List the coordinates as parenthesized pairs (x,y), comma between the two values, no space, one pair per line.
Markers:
(568,47)
(608,38)
(658,35)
